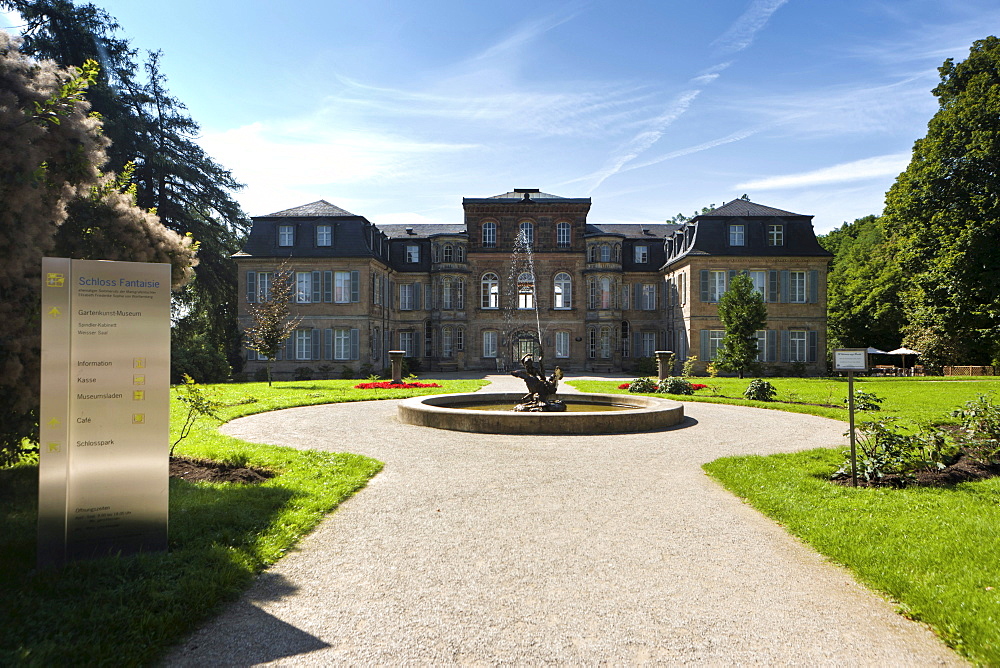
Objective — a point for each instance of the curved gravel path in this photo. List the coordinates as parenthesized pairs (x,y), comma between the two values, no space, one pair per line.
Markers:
(484,549)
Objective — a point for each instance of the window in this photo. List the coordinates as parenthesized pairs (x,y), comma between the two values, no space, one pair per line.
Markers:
(406,344)
(605,252)
(775,235)
(448,253)
(649,296)
(526,233)
(491,291)
(413,253)
(341,344)
(591,253)
(797,287)
(286,235)
(648,344)
(446,294)
(303,344)
(376,344)
(682,282)
(460,293)
(624,298)
(562,344)
(761,345)
(737,235)
(797,346)
(342,287)
(303,287)
(591,342)
(715,337)
(759,279)
(605,343)
(716,285)
(259,286)
(626,334)
(324,235)
(446,342)
(460,339)
(406,297)
(428,340)
(641,254)
(563,235)
(563,290)
(489,234)
(459,254)
(605,293)
(526,291)
(489,343)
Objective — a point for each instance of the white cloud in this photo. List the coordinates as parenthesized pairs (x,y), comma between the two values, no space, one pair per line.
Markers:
(858,170)
(10,20)
(742,32)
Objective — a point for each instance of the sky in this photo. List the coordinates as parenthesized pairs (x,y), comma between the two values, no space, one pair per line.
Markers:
(397,110)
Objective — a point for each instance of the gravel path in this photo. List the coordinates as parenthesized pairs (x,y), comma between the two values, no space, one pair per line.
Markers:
(484,549)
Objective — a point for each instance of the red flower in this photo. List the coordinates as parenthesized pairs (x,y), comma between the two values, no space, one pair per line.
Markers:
(698,386)
(624,386)
(387,385)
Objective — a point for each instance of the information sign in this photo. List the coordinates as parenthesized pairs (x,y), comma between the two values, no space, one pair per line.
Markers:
(850,359)
(105,409)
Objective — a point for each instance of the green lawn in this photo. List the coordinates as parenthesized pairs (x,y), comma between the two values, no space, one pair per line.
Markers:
(128,611)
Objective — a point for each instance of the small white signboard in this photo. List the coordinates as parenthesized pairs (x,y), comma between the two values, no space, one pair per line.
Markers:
(105,409)
(850,359)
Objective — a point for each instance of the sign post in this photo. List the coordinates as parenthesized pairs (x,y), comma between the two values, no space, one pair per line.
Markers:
(105,409)
(851,360)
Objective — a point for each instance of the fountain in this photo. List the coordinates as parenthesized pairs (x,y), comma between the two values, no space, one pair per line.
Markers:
(537,412)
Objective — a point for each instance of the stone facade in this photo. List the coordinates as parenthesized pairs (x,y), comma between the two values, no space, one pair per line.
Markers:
(463,296)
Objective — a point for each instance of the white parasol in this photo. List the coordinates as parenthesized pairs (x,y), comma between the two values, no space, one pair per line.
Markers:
(903,352)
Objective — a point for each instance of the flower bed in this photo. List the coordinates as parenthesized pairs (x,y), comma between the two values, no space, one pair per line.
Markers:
(388,385)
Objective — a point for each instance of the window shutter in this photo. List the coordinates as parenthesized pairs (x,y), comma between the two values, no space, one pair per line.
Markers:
(355,286)
(328,286)
(251,287)
(416,344)
(729,279)
(784,288)
(784,345)
(290,347)
(703,353)
(416,296)
(328,344)
(654,297)
(316,342)
(771,343)
(637,344)
(355,346)
(704,285)
(428,295)
(813,288)
(637,294)
(317,287)
(813,338)
(773,287)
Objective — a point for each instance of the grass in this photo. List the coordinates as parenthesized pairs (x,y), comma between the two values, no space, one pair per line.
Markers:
(933,551)
(912,400)
(129,611)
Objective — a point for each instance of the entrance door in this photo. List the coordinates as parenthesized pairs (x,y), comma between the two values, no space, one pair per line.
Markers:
(524,344)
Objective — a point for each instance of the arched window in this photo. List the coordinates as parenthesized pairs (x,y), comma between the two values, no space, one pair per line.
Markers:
(447,253)
(605,294)
(591,293)
(459,253)
(563,235)
(491,291)
(618,252)
(562,291)
(526,233)
(526,291)
(591,253)
(605,343)
(446,342)
(459,293)
(489,234)
(446,293)
(591,342)
(605,252)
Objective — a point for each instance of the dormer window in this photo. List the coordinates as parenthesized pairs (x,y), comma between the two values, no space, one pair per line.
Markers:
(605,252)
(324,235)
(775,235)
(448,253)
(737,235)
(413,254)
(641,254)
(286,235)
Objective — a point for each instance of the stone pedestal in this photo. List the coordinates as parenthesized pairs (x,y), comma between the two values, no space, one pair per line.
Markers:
(396,359)
(664,363)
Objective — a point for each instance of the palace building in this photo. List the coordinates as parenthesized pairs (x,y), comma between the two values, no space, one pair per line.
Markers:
(526,269)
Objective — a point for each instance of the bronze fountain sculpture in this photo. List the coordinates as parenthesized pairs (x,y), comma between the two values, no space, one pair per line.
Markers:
(539,387)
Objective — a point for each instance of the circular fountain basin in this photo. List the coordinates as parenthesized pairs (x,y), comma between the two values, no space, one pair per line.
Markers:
(608,414)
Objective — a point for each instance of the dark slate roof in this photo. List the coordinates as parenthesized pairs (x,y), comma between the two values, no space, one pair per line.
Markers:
(653,231)
(526,194)
(319,209)
(520,193)
(421,230)
(742,208)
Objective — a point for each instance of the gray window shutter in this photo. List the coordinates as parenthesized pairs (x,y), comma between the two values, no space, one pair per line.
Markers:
(773,287)
(417,340)
(729,279)
(637,302)
(784,346)
(290,347)
(391,298)
(771,342)
(355,286)
(813,341)
(328,286)
(704,285)
(317,287)
(328,344)
(355,343)
(416,296)
(703,353)
(636,344)
(251,287)
(784,288)
(428,294)
(813,287)
(316,341)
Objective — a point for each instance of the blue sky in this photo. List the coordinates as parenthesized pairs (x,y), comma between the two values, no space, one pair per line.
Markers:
(397,110)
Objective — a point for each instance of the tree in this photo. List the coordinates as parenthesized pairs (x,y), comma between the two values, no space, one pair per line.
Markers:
(742,312)
(864,285)
(151,129)
(51,149)
(681,218)
(942,217)
(272,322)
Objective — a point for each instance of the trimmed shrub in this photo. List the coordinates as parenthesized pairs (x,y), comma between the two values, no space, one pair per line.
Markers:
(642,385)
(760,390)
(675,385)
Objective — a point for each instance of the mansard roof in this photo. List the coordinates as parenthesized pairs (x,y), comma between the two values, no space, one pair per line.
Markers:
(649,231)
(740,208)
(421,230)
(317,209)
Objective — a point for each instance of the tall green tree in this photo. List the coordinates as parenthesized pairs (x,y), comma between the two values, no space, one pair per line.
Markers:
(942,217)
(150,129)
(742,312)
(864,288)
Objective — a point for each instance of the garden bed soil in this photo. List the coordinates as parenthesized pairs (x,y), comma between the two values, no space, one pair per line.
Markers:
(966,469)
(205,470)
